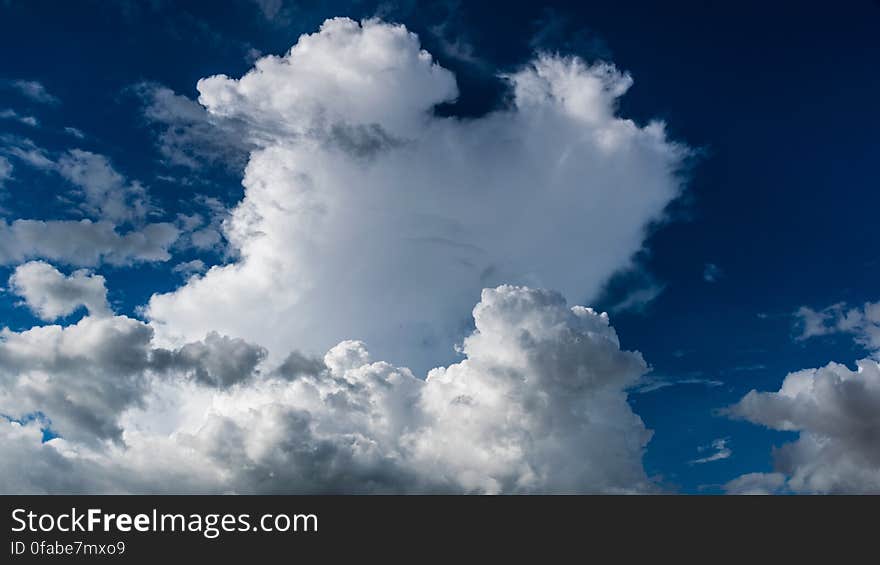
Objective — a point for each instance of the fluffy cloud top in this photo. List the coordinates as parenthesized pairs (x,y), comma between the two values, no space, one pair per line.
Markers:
(367,212)
(345,76)
(538,404)
(51,295)
(837,414)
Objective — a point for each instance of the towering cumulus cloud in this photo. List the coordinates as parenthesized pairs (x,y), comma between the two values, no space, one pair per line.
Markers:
(369,228)
(367,216)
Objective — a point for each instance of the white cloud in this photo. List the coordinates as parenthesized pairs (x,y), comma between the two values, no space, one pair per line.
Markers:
(27,151)
(189,268)
(651,383)
(269,8)
(862,323)
(29,466)
(5,170)
(189,136)
(52,295)
(755,484)
(365,211)
(217,361)
(81,378)
(35,91)
(199,232)
(721,451)
(75,132)
(117,233)
(836,412)
(638,299)
(83,243)
(711,272)
(10,114)
(537,405)
(107,194)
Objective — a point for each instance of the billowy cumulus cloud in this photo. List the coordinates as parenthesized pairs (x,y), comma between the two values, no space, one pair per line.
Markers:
(369,228)
(537,404)
(369,213)
(834,409)
(836,412)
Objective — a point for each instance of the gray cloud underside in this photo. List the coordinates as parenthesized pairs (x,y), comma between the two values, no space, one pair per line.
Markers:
(537,404)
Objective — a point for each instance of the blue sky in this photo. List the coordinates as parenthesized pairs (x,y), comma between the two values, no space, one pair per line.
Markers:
(778,104)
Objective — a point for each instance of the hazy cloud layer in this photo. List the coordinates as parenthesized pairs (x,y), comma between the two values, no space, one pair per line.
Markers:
(5,170)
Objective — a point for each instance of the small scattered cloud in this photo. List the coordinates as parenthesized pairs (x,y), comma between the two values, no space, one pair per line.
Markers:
(115,229)
(652,383)
(269,8)
(27,151)
(203,230)
(10,114)
(632,290)
(84,242)
(107,194)
(556,32)
(756,484)
(75,132)
(720,448)
(711,273)
(747,368)
(189,268)
(638,299)
(862,323)
(50,294)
